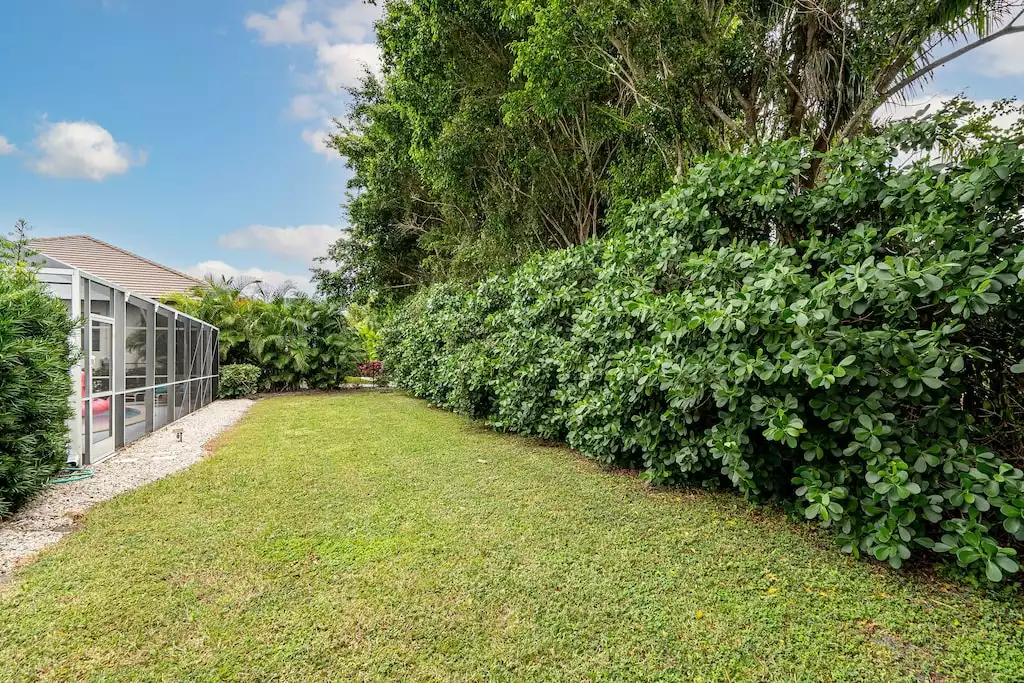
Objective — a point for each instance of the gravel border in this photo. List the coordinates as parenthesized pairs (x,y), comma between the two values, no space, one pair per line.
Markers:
(51,514)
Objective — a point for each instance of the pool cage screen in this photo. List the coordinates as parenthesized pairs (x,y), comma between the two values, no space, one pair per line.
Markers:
(142,365)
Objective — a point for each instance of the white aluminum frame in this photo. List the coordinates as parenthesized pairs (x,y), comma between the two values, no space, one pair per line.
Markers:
(99,450)
(81,449)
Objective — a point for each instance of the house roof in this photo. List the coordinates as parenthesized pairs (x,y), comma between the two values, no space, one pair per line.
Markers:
(129,271)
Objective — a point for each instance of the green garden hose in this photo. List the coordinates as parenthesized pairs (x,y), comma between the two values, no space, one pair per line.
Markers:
(70,474)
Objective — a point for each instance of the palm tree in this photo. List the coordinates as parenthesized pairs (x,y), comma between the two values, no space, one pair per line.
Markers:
(298,341)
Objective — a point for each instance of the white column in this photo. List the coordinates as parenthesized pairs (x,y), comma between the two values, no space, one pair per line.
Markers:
(76,450)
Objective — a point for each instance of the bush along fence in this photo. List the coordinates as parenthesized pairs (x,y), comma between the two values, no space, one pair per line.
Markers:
(238,381)
(845,346)
(35,362)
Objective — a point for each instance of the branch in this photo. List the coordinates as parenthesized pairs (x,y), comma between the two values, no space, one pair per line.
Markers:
(932,66)
(725,118)
(863,110)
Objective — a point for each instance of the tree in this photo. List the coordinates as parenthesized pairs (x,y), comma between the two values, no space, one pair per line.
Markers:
(501,128)
(454,172)
(296,341)
(759,70)
(224,305)
(14,248)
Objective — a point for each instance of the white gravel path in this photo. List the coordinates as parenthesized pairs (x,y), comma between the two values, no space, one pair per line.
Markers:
(51,514)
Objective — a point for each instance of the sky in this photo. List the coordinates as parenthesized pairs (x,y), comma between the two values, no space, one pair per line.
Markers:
(191,132)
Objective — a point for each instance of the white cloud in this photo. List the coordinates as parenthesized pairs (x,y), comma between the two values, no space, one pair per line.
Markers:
(6,147)
(287,26)
(1002,57)
(336,21)
(339,37)
(317,141)
(342,64)
(80,149)
(354,22)
(307,106)
(270,278)
(894,110)
(934,102)
(305,242)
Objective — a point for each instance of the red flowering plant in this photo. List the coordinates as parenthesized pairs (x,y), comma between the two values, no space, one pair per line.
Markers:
(373,369)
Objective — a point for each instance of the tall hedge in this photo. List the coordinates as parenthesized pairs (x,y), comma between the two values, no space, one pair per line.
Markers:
(846,348)
(35,359)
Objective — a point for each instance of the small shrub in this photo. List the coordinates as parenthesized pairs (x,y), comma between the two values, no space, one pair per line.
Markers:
(374,369)
(35,385)
(239,381)
(371,369)
(860,369)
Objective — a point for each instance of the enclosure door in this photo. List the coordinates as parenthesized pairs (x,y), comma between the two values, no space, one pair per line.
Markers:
(100,409)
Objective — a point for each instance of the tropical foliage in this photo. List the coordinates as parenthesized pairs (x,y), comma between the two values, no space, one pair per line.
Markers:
(863,372)
(298,342)
(35,384)
(366,321)
(502,127)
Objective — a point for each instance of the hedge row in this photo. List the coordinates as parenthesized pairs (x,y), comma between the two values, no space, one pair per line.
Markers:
(35,361)
(846,349)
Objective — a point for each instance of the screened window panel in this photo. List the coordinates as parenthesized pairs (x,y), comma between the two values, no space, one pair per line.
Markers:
(59,286)
(102,357)
(136,313)
(163,408)
(216,363)
(134,416)
(180,350)
(102,426)
(196,349)
(194,390)
(162,340)
(180,400)
(99,303)
(211,351)
(136,344)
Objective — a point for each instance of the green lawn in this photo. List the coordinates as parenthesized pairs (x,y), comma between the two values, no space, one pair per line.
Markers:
(367,536)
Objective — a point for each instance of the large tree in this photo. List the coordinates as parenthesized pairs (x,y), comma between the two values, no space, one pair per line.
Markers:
(500,127)
(759,70)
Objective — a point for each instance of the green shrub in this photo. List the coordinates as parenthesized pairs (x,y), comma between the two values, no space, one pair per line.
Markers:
(858,369)
(238,381)
(35,385)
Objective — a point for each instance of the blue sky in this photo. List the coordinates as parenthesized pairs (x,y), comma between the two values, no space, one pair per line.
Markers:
(190,131)
(180,130)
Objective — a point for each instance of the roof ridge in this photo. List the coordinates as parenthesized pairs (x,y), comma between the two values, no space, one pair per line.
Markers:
(58,237)
(132,254)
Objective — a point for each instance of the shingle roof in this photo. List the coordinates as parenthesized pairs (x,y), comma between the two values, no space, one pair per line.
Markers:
(128,271)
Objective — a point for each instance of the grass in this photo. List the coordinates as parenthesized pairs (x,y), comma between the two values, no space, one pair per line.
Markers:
(366,536)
